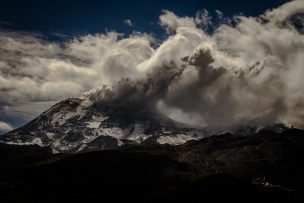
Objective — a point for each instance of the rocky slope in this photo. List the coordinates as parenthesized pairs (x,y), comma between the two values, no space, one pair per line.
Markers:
(69,127)
(267,166)
(145,157)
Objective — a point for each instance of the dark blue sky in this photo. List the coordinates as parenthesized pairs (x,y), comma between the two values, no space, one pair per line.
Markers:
(91,16)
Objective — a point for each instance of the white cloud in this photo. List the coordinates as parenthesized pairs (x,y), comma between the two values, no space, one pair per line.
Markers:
(251,72)
(282,13)
(34,70)
(5,127)
(128,22)
(171,22)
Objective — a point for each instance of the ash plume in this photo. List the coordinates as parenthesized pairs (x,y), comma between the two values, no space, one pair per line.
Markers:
(247,73)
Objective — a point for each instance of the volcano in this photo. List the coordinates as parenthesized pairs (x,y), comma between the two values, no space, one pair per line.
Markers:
(80,152)
(70,127)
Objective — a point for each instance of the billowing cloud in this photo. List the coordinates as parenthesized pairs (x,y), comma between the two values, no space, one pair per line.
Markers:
(246,73)
(279,15)
(33,70)
(171,21)
(5,127)
(249,73)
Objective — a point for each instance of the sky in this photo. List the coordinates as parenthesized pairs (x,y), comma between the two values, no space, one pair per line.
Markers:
(52,50)
(70,17)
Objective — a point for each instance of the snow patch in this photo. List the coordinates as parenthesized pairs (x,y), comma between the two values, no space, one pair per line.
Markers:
(112,132)
(17,143)
(62,116)
(93,124)
(99,118)
(55,151)
(50,135)
(37,141)
(120,143)
(175,139)
(138,137)
(82,147)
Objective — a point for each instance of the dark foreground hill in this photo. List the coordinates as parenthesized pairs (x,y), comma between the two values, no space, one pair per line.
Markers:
(267,166)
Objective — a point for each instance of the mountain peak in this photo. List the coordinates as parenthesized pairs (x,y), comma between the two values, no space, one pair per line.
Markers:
(69,126)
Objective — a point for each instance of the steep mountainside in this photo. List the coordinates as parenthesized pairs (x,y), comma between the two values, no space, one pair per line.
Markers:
(69,127)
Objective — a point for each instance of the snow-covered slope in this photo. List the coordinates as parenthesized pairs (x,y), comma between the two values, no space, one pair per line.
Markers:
(69,127)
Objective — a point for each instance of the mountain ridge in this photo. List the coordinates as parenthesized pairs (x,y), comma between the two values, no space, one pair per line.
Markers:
(267,166)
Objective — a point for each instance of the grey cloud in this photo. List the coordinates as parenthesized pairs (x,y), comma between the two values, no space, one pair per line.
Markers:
(249,73)
(202,20)
(34,70)
(171,21)
(5,127)
(282,13)
(136,95)
(243,74)
(128,22)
